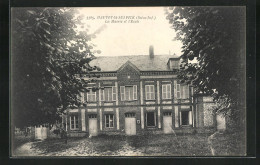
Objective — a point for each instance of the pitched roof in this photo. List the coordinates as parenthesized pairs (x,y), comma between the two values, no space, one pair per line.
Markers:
(142,62)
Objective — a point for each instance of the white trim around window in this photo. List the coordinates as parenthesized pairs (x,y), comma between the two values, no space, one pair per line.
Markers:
(109,121)
(109,93)
(149,92)
(74,122)
(166,91)
(128,93)
(186,118)
(91,96)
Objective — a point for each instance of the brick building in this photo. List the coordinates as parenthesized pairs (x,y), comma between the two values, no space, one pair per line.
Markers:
(137,94)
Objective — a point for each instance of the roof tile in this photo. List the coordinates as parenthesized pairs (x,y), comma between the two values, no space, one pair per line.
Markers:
(142,62)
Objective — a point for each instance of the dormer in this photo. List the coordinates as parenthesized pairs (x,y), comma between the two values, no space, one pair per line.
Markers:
(174,63)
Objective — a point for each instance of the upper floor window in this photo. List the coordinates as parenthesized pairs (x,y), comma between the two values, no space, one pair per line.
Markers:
(149,92)
(128,93)
(91,96)
(108,94)
(166,91)
(74,122)
(182,91)
(175,64)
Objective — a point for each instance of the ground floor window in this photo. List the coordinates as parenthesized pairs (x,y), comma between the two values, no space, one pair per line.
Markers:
(129,114)
(150,119)
(74,122)
(109,119)
(186,118)
(92,116)
(167,114)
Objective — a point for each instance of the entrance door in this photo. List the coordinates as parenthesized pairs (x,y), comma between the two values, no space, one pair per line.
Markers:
(92,123)
(130,124)
(167,123)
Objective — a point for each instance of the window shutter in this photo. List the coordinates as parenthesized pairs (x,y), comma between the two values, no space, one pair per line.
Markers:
(71,122)
(106,94)
(188,92)
(135,92)
(175,89)
(102,94)
(87,96)
(114,93)
(178,91)
(190,117)
(82,98)
(168,91)
(146,92)
(164,91)
(122,90)
(180,119)
(94,96)
(183,91)
(152,92)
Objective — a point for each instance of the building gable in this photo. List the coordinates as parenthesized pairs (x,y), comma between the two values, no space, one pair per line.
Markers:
(128,67)
(128,72)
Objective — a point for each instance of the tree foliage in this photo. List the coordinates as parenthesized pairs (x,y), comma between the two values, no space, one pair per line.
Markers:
(47,55)
(214,37)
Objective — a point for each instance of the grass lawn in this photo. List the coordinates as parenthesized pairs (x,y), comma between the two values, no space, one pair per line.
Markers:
(143,145)
(170,145)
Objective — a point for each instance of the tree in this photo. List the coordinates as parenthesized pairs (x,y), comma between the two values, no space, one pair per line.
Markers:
(214,37)
(48,57)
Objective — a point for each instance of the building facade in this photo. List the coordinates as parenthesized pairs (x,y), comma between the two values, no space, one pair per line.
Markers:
(138,94)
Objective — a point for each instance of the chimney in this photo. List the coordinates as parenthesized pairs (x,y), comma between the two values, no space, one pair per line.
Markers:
(151,53)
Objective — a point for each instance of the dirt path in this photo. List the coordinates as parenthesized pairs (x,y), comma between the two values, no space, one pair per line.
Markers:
(210,144)
(26,150)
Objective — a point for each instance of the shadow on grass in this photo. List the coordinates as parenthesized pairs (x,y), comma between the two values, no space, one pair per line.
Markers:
(105,143)
(165,145)
(20,140)
(56,144)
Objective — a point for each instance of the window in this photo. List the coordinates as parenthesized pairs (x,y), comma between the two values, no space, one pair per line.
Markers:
(129,114)
(128,93)
(175,64)
(108,94)
(109,119)
(74,122)
(149,90)
(166,91)
(167,114)
(150,119)
(92,116)
(182,91)
(91,96)
(186,118)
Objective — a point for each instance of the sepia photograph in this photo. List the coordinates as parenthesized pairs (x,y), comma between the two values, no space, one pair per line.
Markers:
(128,81)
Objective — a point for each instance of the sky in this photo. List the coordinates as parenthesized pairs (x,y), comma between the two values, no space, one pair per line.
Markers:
(130,30)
